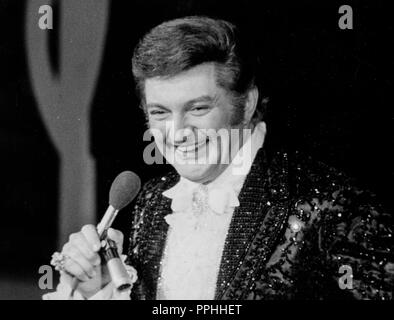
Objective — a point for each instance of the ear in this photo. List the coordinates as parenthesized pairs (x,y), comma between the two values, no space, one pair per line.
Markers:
(251,103)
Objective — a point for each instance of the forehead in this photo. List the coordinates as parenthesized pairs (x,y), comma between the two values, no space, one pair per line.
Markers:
(191,84)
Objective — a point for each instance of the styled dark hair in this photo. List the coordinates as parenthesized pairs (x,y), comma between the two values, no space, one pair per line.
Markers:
(181,44)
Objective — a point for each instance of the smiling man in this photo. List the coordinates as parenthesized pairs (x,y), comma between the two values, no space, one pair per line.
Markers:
(195,123)
(284,227)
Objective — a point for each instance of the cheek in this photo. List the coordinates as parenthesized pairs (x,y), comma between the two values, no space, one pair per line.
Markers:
(152,124)
(216,119)
(157,125)
(158,130)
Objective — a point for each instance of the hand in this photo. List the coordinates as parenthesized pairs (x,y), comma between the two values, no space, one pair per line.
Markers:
(84,262)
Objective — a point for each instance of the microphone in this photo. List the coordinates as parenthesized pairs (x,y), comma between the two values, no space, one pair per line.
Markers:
(123,190)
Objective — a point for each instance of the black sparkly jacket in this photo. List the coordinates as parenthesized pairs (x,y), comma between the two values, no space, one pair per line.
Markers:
(302,231)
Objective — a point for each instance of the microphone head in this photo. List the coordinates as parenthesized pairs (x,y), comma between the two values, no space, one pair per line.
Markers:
(124,189)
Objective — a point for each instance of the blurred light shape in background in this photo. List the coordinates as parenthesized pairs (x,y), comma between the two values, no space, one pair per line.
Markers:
(64,98)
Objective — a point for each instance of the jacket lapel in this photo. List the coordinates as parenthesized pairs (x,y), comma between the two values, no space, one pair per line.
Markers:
(255,226)
(154,235)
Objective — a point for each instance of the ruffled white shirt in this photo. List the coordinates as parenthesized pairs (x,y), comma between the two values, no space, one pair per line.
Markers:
(198,227)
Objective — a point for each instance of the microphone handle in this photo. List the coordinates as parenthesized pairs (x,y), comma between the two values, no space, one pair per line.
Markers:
(106,221)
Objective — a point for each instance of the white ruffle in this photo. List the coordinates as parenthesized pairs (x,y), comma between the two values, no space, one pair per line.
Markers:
(192,256)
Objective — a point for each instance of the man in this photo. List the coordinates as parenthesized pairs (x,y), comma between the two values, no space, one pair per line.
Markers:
(281,227)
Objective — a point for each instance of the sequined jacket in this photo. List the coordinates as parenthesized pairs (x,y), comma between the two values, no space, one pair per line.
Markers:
(302,231)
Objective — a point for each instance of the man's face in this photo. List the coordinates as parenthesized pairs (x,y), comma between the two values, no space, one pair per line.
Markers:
(178,108)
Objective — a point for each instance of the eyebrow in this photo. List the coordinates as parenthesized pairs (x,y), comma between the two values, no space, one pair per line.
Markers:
(205,98)
(156,105)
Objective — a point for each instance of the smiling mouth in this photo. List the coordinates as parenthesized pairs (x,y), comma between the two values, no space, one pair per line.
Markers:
(192,148)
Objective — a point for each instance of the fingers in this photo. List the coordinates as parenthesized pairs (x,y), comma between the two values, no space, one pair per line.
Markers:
(90,233)
(81,250)
(76,263)
(118,237)
(79,241)
(73,267)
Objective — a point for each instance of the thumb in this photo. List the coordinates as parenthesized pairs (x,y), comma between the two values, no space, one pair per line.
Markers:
(116,236)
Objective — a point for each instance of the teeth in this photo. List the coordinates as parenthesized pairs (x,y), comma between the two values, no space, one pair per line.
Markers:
(191,148)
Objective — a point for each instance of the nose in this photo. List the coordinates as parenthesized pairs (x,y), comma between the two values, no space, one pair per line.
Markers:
(178,131)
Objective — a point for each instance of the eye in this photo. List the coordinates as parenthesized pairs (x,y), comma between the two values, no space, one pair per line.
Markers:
(158,114)
(200,110)
(154,112)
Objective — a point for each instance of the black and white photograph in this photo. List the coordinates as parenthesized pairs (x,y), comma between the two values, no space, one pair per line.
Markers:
(196,150)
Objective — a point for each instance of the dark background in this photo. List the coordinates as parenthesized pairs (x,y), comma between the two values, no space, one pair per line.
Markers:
(330,96)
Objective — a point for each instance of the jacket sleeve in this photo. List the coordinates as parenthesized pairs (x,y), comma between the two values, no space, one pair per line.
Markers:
(357,239)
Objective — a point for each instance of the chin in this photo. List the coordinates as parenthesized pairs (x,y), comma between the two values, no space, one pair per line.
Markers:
(199,173)
(195,173)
